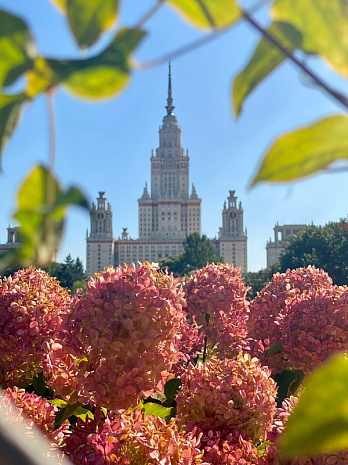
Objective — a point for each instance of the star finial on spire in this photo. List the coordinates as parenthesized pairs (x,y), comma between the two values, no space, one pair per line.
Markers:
(170,107)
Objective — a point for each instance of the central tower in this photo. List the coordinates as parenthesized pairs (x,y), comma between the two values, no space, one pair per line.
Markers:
(169,211)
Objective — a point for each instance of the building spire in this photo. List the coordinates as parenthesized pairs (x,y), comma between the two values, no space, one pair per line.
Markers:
(170,107)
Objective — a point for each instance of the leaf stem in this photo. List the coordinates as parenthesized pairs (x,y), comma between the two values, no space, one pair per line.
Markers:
(149,14)
(337,96)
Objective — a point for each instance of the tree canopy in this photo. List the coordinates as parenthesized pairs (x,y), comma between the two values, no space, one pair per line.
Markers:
(198,251)
(325,247)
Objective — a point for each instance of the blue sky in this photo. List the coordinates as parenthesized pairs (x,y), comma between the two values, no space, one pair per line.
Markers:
(107,146)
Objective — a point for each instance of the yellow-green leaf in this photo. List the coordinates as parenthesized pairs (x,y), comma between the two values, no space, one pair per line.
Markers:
(305,151)
(101,76)
(41,214)
(264,60)
(208,14)
(40,78)
(17,50)
(319,423)
(10,112)
(88,19)
(157,410)
(60,4)
(323,25)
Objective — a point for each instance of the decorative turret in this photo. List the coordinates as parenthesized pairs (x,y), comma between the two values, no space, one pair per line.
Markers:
(170,107)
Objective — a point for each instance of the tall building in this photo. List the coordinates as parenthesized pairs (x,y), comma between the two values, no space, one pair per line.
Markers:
(168,213)
(281,233)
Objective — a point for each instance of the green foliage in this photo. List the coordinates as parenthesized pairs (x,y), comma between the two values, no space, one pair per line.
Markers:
(88,20)
(198,251)
(288,382)
(70,273)
(257,280)
(265,59)
(323,25)
(41,214)
(10,112)
(325,247)
(157,410)
(312,149)
(208,14)
(64,413)
(319,423)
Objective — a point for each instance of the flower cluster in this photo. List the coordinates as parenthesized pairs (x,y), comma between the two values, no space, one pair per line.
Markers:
(234,393)
(316,326)
(31,308)
(132,439)
(31,409)
(269,309)
(216,298)
(126,328)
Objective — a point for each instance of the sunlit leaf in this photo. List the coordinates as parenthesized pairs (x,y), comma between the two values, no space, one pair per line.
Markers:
(101,76)
(10,112)
(305,151)
(208,14)
(319,423)
(88,19)
(83,413)
(323,25)
(157,411)
(17,50)
(41,213)
(60,4)
(64,414)
(58,402)
(40,78)
(265,59)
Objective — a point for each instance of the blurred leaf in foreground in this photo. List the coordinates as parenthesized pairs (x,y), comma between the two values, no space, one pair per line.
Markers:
(323,25)
(88,19)
(41,213)
(319,423)
(10,113)
(17,50)
(265,59)
(208,14)
(305,151)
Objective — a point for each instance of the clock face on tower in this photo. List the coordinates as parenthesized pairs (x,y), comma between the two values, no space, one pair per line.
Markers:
(232,214)
(100,215)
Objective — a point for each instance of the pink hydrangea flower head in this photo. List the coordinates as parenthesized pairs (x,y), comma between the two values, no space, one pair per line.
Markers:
(234,393)
(315,327)
(132,439)
(217,294)
(126,328)
(31,409)
(268,309)
(32,305)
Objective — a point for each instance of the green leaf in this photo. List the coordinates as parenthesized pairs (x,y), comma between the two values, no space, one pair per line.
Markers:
(41,212)
(88,19)
(208,14)
(288,381)
(64,414)
(157,411)
(262,448)
(40,79)
(305,151)
(58,402)
(323,25)
(171,388)
(319,423)
(83,413)
(101,76)
(60,4)
(17,50)
(39,384)
(265,59)
(275,348)
(10,113)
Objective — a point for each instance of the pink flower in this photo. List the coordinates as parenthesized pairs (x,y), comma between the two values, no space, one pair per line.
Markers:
(268,310)
(235,393)
(31,409)
(132,439)
(216,299)
(31,308)
(124,338)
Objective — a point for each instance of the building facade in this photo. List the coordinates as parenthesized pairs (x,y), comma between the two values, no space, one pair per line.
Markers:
(168,212)
(276,247)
